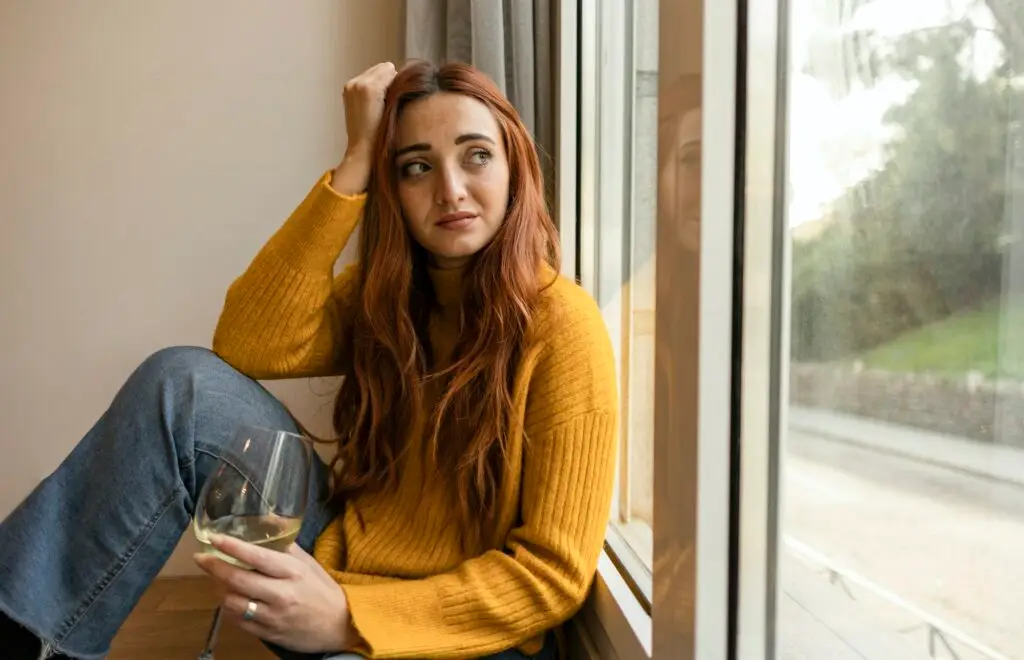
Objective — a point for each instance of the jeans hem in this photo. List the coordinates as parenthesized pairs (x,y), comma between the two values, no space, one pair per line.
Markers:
(47,641)
(114,572)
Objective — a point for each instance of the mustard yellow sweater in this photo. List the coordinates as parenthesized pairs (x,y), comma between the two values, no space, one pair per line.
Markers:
(413,592)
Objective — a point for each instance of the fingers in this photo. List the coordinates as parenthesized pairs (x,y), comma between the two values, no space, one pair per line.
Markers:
(364,99)
(384,71)
(234,607)
(311,564)
(295,551)
(376,78)
(238,580)
(269,562)
(256,630)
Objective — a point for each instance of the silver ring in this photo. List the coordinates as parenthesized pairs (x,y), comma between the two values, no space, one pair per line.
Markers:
(250,611)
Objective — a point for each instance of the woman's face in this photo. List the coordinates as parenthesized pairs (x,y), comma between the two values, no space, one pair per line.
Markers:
(679,193)
(453,175)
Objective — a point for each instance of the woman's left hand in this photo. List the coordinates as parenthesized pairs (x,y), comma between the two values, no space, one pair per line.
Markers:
(298,605)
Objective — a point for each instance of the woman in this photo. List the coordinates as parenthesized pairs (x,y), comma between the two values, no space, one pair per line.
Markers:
(476,420)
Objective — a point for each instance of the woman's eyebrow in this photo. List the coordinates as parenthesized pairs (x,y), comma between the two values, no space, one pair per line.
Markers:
(419,146)
(423,146)
(466,137)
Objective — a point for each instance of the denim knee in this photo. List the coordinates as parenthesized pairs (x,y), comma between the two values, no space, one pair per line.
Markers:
(176,363)
(158,400)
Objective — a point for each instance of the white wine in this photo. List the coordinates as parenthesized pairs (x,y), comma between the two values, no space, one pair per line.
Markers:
(261,474)
(268,531)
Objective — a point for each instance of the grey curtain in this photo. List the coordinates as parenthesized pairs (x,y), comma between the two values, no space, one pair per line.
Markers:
(510,40)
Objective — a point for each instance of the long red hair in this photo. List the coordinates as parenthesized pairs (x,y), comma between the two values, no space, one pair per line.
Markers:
(381,402)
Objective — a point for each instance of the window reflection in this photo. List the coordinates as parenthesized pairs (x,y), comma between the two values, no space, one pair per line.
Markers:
(676,379)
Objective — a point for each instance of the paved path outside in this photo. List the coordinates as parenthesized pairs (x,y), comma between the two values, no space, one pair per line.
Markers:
(940,525)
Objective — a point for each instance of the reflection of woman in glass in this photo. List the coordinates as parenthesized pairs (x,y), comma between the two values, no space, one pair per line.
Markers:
(679,173)
(679,198)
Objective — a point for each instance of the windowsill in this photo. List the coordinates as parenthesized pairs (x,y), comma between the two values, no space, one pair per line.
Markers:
(630,547)
(614,620)
(640,537)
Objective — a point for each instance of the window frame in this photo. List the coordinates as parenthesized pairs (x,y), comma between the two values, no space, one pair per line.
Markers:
(762,392)
(734,440)
(606,207)
(616,615)
(615,622)
(704,514)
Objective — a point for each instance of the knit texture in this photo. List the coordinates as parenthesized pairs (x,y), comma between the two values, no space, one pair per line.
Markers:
(413,591)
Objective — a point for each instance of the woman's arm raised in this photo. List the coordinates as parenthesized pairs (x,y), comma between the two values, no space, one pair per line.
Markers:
(282,317)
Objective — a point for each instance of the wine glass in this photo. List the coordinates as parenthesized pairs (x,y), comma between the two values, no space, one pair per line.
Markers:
(256,493)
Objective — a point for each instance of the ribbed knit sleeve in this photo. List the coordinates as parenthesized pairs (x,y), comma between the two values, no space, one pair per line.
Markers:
(281,318)
(502,598)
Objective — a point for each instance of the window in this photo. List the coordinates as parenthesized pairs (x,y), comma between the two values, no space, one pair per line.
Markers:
(800,220)
(617,244)
(642,177)
(904,451)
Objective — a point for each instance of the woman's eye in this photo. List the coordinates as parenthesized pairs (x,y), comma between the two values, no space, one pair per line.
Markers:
(480,157)
(690,158)
(414,168)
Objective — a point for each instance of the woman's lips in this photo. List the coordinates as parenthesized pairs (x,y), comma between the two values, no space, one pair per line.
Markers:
(456,221)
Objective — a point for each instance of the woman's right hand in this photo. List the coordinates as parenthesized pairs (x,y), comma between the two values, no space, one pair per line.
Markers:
(364,108)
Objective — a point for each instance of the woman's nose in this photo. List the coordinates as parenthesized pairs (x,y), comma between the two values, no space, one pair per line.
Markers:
(452,188)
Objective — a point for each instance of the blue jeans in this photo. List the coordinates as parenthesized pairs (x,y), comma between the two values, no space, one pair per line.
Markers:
(78,553)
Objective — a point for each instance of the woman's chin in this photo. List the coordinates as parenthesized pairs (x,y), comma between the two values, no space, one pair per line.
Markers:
(457,252)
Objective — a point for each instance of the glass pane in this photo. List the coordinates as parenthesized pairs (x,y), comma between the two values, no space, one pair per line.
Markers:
(903,521)
(626,147)
(636,494)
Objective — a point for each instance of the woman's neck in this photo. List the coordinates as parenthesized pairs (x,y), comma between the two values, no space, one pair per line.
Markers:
(447,263)
(447,285)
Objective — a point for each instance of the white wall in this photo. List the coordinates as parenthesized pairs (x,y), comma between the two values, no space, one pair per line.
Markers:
(147,149)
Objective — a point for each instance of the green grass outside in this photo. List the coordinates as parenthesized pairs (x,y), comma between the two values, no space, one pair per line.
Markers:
(989,340)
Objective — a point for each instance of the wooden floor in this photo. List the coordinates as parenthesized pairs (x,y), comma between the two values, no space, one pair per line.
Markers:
(171,623)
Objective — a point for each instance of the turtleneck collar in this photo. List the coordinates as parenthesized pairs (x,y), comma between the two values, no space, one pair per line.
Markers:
(447,285)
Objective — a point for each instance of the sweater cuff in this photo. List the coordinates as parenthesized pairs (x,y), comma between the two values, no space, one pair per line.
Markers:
(396,620)
(317,231)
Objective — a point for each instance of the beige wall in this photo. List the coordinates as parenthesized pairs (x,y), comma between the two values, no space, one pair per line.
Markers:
(147,149)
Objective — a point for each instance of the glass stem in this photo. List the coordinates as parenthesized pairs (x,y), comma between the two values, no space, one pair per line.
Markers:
(211,638)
